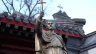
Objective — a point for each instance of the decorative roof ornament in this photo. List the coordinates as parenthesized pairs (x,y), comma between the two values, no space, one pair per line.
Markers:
(60,6)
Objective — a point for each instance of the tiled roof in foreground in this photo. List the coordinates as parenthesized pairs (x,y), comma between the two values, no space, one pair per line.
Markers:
(21,20)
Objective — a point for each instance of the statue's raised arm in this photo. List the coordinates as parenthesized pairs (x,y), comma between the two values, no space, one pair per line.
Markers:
(39,21)
(38,28)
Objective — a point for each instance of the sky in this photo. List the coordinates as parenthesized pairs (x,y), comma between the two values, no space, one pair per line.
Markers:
(75,9)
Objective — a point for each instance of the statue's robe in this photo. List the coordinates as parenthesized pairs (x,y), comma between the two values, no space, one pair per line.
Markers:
(54,43)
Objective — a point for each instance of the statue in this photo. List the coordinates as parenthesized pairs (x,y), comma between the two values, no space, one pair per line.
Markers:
(48,42)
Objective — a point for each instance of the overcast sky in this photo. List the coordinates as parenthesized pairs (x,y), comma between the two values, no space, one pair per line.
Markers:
(75,9)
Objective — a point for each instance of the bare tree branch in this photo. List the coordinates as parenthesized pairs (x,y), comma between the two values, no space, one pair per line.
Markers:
(11,4)
(33,7)
(25,11)
(29,6)
(21,6)
(37,11)
(6,7)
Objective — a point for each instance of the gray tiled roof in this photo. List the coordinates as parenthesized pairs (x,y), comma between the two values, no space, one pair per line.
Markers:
(65,28)
(4,14)
(20,17)
(69,29)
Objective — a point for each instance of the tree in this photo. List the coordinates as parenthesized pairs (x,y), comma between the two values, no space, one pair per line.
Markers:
(27,7)
(32,7)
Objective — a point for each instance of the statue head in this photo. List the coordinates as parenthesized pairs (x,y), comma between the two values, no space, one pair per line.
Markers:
(50,25)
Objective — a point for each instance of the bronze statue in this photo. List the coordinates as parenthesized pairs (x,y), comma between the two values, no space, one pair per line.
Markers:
(48,42)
